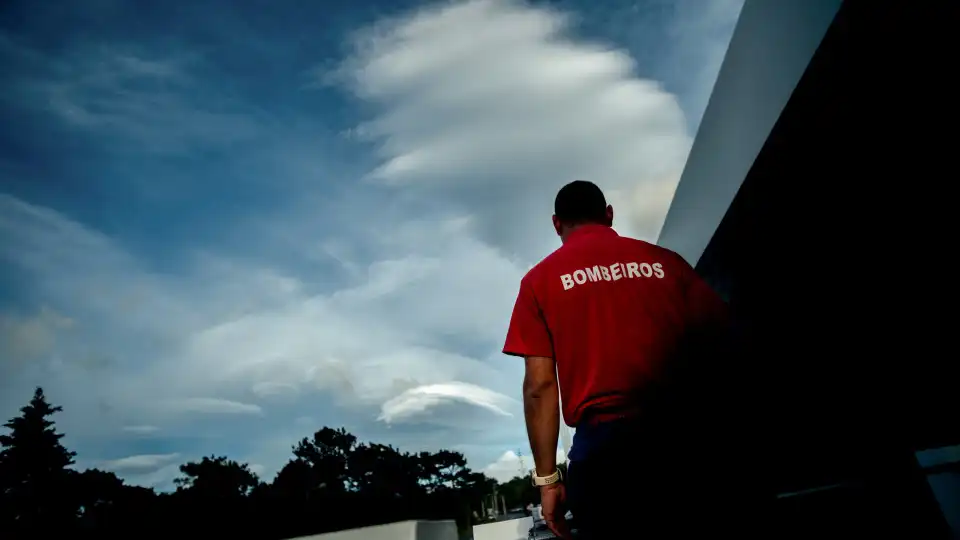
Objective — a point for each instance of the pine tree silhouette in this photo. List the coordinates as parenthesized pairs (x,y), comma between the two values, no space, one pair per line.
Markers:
(35,483)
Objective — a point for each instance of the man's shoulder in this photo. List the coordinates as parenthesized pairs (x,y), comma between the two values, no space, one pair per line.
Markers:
(537,271)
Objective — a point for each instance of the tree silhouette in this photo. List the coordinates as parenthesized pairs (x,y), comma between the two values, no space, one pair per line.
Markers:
(330,483)
(107,504)
(444,471)
(217,477)
(378,470)
(34,478)
(216,491)
(297,480)
(327,455)
(97,491)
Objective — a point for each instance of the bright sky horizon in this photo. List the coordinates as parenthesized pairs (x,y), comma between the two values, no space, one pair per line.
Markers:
(224,226)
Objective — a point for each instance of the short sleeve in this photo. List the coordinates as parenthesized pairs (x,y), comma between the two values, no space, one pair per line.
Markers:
(528,334)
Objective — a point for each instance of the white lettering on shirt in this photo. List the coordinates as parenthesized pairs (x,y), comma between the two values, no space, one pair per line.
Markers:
(612,272)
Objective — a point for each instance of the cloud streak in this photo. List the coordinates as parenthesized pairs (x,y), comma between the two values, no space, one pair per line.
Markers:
(139,463)
(416,401)
(214,406)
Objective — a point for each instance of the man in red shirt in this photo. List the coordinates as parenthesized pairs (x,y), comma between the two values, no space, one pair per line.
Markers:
(612,319)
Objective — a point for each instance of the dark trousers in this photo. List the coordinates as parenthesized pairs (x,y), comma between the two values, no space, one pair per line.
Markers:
(644,482)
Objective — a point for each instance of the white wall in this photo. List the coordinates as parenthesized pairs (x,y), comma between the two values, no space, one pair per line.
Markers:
(514,529)
(437,530)
(404,530)
(771,46)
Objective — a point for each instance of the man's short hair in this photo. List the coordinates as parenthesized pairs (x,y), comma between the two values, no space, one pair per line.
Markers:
(580,201)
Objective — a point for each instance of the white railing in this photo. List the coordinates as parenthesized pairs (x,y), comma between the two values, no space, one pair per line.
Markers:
(513,529)
(404,530)
(508,529)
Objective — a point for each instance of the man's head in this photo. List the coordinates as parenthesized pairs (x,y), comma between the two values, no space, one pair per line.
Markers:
(580,203)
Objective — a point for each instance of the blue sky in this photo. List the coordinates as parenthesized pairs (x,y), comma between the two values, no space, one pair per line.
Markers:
(223,226)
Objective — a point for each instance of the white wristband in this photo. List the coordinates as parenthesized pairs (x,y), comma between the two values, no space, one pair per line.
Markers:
(545,480)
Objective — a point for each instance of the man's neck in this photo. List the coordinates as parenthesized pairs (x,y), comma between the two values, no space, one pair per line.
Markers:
(570,229)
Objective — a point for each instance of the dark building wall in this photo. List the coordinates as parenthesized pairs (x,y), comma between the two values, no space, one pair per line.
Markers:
(833,257)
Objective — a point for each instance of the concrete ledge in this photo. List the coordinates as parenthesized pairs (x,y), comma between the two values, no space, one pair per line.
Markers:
(514,529)
(403,530)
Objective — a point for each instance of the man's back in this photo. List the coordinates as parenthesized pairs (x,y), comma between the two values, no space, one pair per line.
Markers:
(616,309)
(618,327)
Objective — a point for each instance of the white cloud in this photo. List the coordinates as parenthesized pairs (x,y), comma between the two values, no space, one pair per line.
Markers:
(139,463)
(418,400)
(499,116)
(258,470)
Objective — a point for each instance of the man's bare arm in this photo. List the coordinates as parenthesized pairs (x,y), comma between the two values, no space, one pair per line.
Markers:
(541,407)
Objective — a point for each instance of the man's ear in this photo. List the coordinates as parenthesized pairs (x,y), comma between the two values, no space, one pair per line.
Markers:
(557,226)
(610,215)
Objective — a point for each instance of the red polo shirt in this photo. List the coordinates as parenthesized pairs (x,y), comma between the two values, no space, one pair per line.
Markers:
(609,310)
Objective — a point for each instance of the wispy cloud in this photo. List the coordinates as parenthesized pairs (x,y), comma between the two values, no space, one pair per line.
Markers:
(154,102)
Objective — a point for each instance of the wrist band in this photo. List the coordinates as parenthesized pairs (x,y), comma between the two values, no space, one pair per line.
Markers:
(545,480)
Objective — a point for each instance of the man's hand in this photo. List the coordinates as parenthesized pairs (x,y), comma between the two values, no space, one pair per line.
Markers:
(553,501)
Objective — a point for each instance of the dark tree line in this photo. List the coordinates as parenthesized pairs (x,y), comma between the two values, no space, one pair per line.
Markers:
(332,482)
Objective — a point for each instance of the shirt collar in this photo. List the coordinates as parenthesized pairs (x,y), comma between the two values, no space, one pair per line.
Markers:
(591,229)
